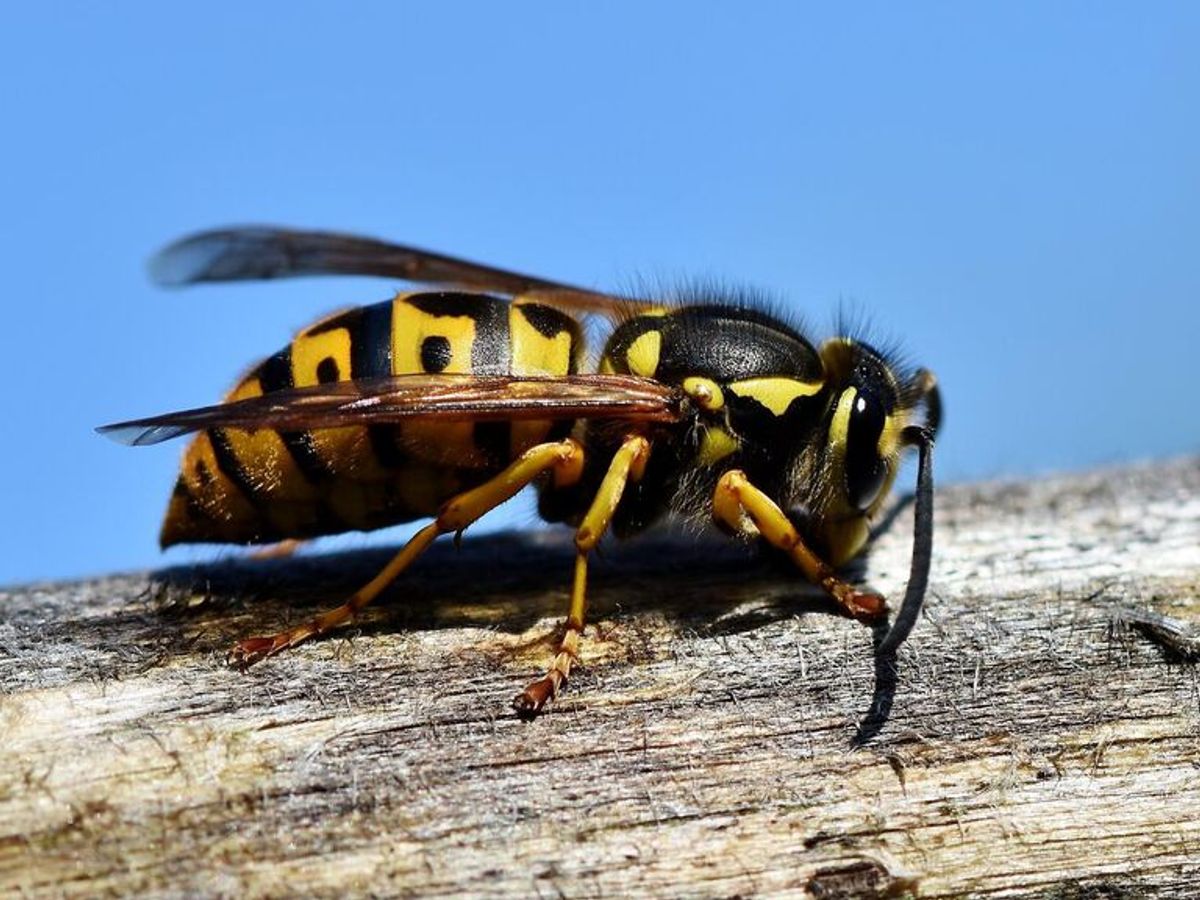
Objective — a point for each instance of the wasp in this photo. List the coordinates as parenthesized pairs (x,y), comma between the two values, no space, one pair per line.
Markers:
(445,403)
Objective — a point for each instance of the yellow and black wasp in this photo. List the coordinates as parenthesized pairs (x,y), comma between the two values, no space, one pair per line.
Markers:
(446,404)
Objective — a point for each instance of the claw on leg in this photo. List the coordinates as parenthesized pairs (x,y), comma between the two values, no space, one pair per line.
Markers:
(541,691)
(537,694)
(863,605)
(627,465)
(247,652)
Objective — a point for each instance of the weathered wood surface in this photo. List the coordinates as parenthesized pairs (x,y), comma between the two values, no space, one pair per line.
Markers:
(730,734)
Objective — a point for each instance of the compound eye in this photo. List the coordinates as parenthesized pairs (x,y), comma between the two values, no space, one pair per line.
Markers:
(866,471)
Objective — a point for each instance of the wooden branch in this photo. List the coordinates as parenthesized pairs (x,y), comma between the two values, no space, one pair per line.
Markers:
(729,732)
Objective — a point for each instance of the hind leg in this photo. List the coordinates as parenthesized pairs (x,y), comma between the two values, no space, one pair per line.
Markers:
(563,458)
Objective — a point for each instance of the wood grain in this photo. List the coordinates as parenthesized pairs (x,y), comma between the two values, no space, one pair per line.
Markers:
(729,734)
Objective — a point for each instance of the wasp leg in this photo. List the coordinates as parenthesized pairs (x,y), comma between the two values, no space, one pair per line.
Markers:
(563,458)
(627,465)
(736,499)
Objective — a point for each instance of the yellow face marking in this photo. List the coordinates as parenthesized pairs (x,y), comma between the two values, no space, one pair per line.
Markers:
(847,538)
(706,392)
(844,530)
(642,355)
(715,444)
(889,438)
(839,428)
(889,451)
(776,393)
(606,367)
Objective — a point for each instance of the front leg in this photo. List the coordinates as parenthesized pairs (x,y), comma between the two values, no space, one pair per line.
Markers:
(743,508)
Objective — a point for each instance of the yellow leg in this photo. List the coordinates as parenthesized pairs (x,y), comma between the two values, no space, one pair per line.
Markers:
(627,465)
(736,498)
(564,458)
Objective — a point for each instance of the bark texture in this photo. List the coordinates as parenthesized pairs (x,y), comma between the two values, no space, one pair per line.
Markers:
(728,734)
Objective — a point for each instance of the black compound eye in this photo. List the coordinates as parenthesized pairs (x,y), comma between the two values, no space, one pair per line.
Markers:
(865,469)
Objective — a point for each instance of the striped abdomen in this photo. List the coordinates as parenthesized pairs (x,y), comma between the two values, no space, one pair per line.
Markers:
(241,487)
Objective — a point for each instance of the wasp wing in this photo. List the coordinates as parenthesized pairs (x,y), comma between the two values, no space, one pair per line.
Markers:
(374,401)
(248,253)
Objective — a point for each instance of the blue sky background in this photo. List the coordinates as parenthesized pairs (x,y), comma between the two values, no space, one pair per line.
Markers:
(1013,190)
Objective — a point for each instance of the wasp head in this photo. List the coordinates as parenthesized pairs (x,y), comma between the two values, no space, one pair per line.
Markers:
(873,402)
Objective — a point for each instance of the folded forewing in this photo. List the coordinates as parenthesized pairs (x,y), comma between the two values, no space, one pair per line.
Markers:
(373,401)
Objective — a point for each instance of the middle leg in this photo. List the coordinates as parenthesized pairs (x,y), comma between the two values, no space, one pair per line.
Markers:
(627,465)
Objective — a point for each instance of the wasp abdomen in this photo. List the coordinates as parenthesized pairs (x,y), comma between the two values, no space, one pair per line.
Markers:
(253,487)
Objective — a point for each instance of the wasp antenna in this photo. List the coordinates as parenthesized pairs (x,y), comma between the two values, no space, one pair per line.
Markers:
(927,386)
(918,575)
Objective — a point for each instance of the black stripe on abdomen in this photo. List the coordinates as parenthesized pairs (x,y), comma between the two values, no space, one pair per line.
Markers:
(371,357)
(371,342)
(491,350)
(231,467)
(275,374)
